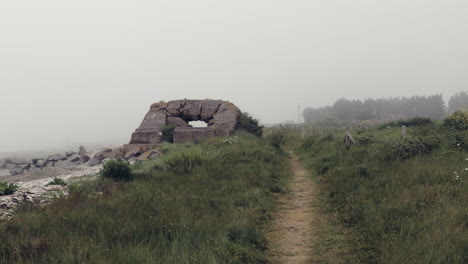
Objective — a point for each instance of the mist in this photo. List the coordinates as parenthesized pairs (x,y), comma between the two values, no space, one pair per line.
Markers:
(86,72)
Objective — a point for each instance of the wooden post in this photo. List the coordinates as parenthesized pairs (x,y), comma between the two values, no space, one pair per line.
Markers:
(403,131)
(348,139)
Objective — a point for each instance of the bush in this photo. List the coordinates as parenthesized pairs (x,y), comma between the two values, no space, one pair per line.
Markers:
(250,124)
(277,139)
(365,139)
(458,121)
(413,122)
(117,170)
(411,147)
(57,181)
(168,134)
(7,188)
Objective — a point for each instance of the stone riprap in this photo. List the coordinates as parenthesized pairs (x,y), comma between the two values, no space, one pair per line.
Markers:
(72,160)
(221,116)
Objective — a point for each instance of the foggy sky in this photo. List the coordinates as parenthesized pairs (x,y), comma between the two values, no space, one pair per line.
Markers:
(87,71)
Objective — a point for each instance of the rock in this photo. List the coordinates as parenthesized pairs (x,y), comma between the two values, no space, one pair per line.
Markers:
(26,166)
(148,155)
(69,153)
(10,166)
(95,160)
(176,122)
(74,158)
(134,150)
(118,152)
(16,171)
(82,151)
(56,157)
(16,161)
(104,161)
(85,158)
(222,118)
(40,163)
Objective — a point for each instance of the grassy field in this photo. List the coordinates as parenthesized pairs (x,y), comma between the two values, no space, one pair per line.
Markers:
(390,200)
(200,203)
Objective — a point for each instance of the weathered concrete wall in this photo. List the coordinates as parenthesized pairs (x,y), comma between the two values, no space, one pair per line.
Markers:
(190,134)
(221,116)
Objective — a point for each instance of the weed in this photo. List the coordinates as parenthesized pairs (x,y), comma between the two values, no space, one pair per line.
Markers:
(57,181)
(7,188)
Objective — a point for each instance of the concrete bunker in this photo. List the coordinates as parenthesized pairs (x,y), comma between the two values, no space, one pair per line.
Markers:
(220,116)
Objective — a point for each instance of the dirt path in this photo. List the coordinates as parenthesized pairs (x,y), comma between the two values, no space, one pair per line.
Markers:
(292,233)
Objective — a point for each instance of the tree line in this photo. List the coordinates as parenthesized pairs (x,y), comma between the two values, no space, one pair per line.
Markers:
(398,108)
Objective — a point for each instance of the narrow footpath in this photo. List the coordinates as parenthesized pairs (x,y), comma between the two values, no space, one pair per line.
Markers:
(292,233)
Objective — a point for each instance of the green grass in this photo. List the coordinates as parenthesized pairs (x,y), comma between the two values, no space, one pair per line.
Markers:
(391,209)
(200,203)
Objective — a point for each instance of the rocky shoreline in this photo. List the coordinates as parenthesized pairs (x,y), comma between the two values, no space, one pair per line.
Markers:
(33,176)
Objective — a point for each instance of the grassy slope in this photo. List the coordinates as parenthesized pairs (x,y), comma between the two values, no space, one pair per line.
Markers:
(203,203)
(389,210)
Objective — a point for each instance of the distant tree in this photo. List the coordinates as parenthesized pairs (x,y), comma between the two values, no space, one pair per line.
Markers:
(312,115)
(458,102)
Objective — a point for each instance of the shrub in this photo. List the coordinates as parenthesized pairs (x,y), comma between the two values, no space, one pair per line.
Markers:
(168,134)
(410,147)
(250,124)
(277,139)
(7,188)
(412,122)
(57,181)
(458,121)
(365,139)
(117,169)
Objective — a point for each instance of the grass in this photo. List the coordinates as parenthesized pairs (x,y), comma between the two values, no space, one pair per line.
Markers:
(200,203)
(390,209)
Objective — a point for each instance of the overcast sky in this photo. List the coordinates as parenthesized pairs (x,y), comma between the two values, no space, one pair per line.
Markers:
(87,71)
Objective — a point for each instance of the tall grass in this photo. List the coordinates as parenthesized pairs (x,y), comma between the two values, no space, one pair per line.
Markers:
(398,210)
(204,203)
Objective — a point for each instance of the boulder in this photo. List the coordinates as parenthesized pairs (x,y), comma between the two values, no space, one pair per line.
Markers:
(56,157)
(69,153)
(85,157)
(118,152)
(16,171)
(150,154)
(16,161)
(74,158)
(94,161)
(40,163)
(104,153)
(82,151)
(135,150)
(11,166)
